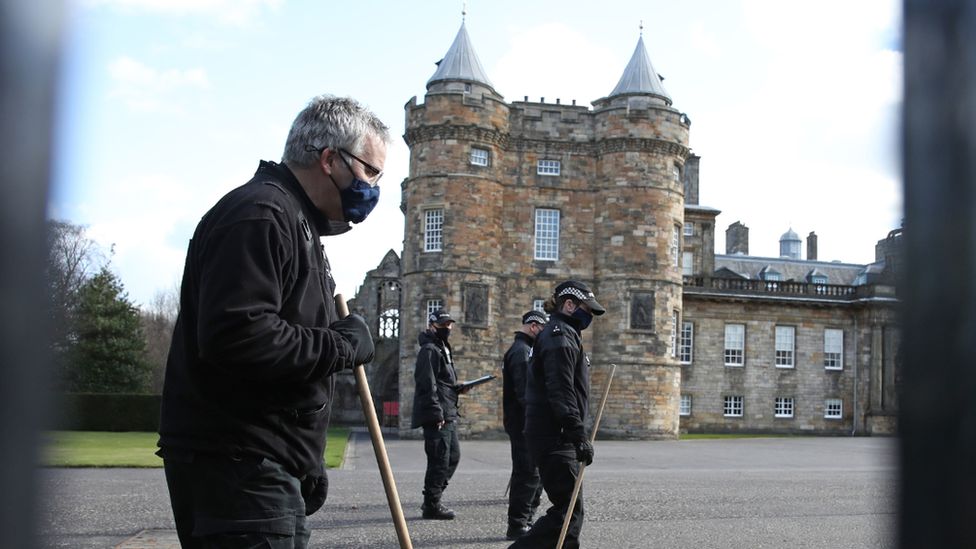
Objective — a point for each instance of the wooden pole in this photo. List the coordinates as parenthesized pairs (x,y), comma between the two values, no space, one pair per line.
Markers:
(579,479)
(379,448)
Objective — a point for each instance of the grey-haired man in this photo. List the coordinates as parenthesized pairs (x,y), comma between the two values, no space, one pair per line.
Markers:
(248,384)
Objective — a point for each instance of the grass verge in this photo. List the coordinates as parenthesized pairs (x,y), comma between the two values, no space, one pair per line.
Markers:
(137,449)
(708,436)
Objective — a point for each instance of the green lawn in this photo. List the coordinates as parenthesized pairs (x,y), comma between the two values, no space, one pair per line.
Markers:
(702,436)
(105,449)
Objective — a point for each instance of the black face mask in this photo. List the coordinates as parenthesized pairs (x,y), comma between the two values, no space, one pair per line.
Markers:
(442,333)
(584,318)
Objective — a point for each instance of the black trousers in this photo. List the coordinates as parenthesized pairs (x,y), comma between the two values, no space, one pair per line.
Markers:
(224,502)
(526,486)
(558,469)
(443,455)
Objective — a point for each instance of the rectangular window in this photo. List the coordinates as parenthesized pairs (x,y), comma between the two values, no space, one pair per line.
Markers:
(833,349)
(479,157)
(539,305)
(433,230)
(675,245)
(547,167)
(689,228)
(684,408)
(676,173)
(833,408)
(433,305)
(784,407)
(687,342)
(784,346)
(687,263)
(735,343)
(674,333)
(732,406)
(547,234)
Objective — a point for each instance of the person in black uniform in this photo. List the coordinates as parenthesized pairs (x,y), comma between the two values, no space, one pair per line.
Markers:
(557,400)
(246,396)
(525,488)
(435,408)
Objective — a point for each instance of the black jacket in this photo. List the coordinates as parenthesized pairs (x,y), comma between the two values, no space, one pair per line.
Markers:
(514,369)
(558,385)
(249,368)
(436,396)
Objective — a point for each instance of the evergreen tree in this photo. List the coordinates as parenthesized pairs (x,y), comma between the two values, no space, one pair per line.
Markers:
(108,354)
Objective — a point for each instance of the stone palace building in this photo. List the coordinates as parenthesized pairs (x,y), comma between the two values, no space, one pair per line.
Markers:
(506,199)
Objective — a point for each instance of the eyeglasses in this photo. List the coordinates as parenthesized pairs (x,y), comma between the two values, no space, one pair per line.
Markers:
(373,174)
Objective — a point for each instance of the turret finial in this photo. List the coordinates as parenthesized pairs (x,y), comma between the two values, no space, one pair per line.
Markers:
(642,27)
(464,10)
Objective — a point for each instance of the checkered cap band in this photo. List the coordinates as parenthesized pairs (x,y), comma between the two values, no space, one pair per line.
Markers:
(575,292)
(534,317)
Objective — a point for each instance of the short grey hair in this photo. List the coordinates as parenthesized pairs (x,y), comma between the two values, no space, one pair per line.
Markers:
(330,122)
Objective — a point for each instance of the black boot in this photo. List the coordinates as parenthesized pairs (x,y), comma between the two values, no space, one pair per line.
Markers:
(436,511)
(432,508)
(515,531)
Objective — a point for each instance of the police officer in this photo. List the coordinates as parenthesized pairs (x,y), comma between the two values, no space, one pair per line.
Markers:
(435,408)
(523,498)
(557,400)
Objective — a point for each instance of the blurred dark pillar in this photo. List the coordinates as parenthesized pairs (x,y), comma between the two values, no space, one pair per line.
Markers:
(30,39)
(938,422)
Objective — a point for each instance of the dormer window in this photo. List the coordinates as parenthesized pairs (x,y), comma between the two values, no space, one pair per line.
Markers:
(818,279)
(769,274)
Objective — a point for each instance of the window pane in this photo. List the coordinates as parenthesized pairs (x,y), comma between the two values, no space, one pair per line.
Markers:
(732,406)
(833,408)
(689,228)
(734,344)
(684,408)
(687,342)
(433,230)
(833,349)
(479,157)
(675,244)
(433,305)
(548,167)
(547,234)
(687,263)
(784,346)
(784,407)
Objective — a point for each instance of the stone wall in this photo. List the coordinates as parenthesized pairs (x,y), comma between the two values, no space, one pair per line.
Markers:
(707,379)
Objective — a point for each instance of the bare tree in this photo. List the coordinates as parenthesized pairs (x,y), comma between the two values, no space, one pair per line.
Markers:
(158,322)
(72,260)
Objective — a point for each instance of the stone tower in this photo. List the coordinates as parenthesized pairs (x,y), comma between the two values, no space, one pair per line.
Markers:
(505,200)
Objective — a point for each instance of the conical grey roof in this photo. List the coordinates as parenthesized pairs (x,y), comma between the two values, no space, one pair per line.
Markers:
(461,63)
(640,76)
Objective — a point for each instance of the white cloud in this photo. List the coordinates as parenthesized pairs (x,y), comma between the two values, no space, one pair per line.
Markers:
(233,12)
(145,88)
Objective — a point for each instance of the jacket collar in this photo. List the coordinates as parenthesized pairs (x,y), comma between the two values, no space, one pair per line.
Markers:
(324,225)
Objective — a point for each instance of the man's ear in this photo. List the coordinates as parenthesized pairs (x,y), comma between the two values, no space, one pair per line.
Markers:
(327,160)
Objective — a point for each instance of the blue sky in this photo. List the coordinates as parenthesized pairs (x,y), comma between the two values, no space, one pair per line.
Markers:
(168,104)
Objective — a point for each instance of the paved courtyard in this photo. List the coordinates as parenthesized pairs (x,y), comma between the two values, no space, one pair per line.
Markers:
(731,493)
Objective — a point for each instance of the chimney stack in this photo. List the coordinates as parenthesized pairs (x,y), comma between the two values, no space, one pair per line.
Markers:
(737,239)
(812,246)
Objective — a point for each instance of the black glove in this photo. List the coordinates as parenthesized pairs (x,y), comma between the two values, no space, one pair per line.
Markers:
(315,488)
(584,452)
(355,331)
